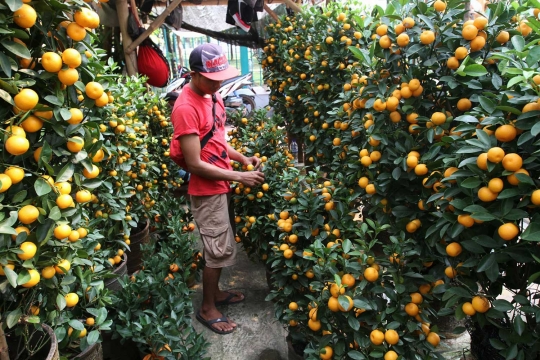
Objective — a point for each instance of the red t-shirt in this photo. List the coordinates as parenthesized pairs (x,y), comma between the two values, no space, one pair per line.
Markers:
(192,114)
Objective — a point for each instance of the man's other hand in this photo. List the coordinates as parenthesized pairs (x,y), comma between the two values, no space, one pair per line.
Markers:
(252,178)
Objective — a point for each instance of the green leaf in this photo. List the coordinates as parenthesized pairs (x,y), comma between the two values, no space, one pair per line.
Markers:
(76,324)
(14,4)
(101,316)
(355,355)
(532,233)
(533,56)
(487,104)
(475,70)
(60,302)
(55,213)
(519,325)
(353,322)
(5,64)
(471,183)
(17,49)
(518,42)
(13,317)
(11,276)
(486,262)
(502,305)
(42,186)
(66,172)
(4,95)
(53,100)
(509,193)
(92,337)
(535,130)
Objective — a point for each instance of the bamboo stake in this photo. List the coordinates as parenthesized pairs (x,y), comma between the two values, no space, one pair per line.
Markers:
(271,12)
(154,25)
(131,59)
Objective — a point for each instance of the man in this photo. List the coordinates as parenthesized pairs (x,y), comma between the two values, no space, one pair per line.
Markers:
(198,118)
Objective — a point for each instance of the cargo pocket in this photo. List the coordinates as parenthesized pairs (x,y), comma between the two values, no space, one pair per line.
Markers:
(216,241)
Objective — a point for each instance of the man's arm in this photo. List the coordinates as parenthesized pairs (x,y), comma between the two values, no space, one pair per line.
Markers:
(191,148)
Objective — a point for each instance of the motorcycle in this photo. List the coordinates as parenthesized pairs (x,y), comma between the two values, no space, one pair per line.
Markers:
(237,96)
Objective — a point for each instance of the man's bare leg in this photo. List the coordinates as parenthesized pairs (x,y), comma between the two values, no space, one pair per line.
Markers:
(210,289)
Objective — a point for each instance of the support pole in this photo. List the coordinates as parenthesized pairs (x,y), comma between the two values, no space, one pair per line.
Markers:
(271,12)
(130,58)
(244,60)
(153,26)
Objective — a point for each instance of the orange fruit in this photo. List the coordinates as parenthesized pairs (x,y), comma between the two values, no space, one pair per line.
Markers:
(438,118)
(402,40)
(363,182)
(480,304)
(464,104)
(376,337)
(71,57)
(505,133)
(433,338)
(91,174)
(75,144)
(503,37)
(461,53)
(6,182)
(314,325)
(452,63)
(385,42)
(29,250)
(408,22)
(382,30)
(28,214)
(512,162)
(68,76)
(495,155)
(62,267)
(349,307)
(34,279)
(535,197)
(26,99)
(326,353)
(480,22)
(478,43)
(76,32)
(48,272)
(412,161)
(64,201)
(32,124)
(481,161)
(412,309)
(469,32)
(76,116)
(62,231)
(371,274)
(16,174)
(416,298)
(25,16)
(420,169)
(391,336)
(440,6)
(348,280)
(71,299)
(83,196)
(508,231)
(73,236)
(512,179)
(450,272)
(94,90)
(465,220)
(453,249)
(427,37)
(495,185)
(468,309)
(51,62)
(486,195)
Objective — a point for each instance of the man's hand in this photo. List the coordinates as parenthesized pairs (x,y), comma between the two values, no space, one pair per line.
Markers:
(253,160)
(252,178)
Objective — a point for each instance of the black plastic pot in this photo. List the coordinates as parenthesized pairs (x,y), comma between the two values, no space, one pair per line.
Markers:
(113,284)
(135,254)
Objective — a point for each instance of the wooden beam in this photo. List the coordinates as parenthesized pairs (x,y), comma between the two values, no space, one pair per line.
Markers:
(271,12)
(131,59)
(153,26)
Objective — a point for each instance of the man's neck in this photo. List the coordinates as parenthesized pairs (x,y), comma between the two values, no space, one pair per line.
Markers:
(199,92)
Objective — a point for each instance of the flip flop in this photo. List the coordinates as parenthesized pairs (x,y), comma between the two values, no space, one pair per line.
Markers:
(208,323)
(227,300)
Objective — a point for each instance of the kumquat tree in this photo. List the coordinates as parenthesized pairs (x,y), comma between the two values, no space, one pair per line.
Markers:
(427,114)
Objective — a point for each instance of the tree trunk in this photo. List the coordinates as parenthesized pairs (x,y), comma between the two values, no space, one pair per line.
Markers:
(4,353)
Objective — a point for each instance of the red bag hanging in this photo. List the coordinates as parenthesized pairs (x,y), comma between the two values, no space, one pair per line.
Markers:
(152,63)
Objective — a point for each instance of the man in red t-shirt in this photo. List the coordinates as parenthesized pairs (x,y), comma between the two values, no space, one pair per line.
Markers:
(198,118)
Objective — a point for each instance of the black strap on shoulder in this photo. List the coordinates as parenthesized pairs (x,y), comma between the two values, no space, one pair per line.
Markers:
(209,134)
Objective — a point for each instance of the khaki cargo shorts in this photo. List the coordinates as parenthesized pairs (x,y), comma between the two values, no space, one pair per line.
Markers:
(211,213)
